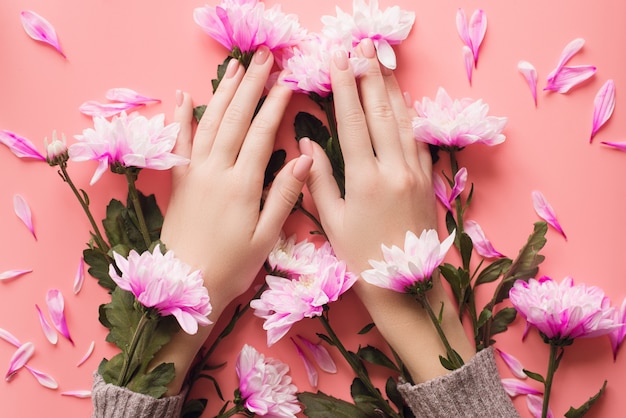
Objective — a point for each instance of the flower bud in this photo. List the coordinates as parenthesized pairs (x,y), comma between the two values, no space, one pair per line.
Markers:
(56,150)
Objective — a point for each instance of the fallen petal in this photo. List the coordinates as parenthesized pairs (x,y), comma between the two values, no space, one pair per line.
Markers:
(11,274)
(310,369)
(44,379)
(10,338)
(477,30)
(56,304)
(40,29)
(481,244)
(87,354)
(570,77)
(19,359)
(462,29)
(568,52)
(20,146)
(530,74)
(545,211)
(460,179)
(320,355)
(22,210)
(105,110)
(603,106)
(79,279)
(468,58)
(126,95)
(385,53)
(535,403)
(514,387)
(440,191)
(77,393)
(619,145)
(48,331)
(514,364)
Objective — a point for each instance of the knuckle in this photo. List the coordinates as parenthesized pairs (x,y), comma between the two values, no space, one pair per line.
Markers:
(382,110)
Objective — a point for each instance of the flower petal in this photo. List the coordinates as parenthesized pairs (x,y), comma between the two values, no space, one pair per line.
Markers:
(440,191)
(48,331)
(126,95)
(87,354)
(20,146)
(477,30)
(44,379)
(530,74)
(460,179)
(569,77)
(535,403)
(19,359)
(56,304)
(545,211)
(462,29)
(385,54)
(77,393)
(617,335)
(40,29)
(481,244)
(514,387)
(514,364)
(308,366)
(568,52)
(320,355)
(619,145)
(468,58)
(603,106)
(11,274)
(105,110)
(79,279)
(10,338)
(22,210)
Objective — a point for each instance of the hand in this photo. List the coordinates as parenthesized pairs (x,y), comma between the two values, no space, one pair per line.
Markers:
(388,191)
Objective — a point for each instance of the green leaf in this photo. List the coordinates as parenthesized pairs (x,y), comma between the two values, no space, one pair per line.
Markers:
(193,408)
(218,390)
(99,267)
(493,271)
(502,319)
(450,222)
(466,249)
(153,217)
(221,69)
(447,364)
(122,316)
(367,328)
(277,160)
(325,338)
(452,276)
(584,408)
(374,356)
(153,383)
(307,125)
(363,398)
(198,112)
(320,405)
(535,376)
(391,389)
(152,214)
(484,317)
(112,223)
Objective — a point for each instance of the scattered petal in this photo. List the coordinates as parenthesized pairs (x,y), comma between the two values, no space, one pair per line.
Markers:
(19,359)
(545,211)
(440,191)
(603,106)
(514,387)
(79,279)
(385,53)
(530,74)
(56,304)
(570,77)
(514,364)
(126,95)
(10,338)
(468,58)
(477,30)
(320,355)
(77,393)
(87,354)
(20,146)
(40,29)
(462,29)
(481,244)
(48,331)
(535,403)
(44,379)
(22,210)
(310,369)
(619,145)
(460,179)
(568,52)
(105,110)
(11,274)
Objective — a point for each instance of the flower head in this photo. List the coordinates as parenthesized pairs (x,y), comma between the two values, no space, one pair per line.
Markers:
(266,389)
(166,284)
(563,312)
(456,123)
(130,141)
(409,270)
(56,150)
(292,259)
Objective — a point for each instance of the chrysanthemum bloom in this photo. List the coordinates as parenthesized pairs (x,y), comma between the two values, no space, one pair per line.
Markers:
(165,283)
(265,387)
(291,259)
(455,124)
(56,151)
(563,312)
(409,270)
(288,301)
(384,28)
(128,141)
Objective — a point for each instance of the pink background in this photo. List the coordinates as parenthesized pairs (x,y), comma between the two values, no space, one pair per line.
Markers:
(154,47)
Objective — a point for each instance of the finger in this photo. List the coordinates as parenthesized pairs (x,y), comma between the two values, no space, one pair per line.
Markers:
(183,114)
(323,188)
(236,121)
(423,150)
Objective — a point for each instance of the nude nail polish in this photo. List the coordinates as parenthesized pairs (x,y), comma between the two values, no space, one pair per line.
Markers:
(179,98)
(231,68)
(261,55)
(367,48)
(302,167)
(340,57)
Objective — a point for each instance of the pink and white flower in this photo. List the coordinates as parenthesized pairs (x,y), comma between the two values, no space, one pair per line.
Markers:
(563,312)
(384,28)
(56,150)
(291,259)
(456,123)
(265,386)
(130,141)
(409,270)
(165,283)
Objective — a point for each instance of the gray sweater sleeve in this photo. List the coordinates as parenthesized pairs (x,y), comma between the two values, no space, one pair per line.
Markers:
(110,401)
(474,390)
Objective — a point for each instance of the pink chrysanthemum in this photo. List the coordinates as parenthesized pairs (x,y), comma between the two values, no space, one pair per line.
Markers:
(266,389)
(130,141)
(288,301)
(409,270)
(291,259)
(563,312)
(166,284)
(456,123)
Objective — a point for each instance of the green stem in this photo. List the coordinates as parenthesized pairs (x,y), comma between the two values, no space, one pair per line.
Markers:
(313,219)
(552,366)
(134,197)
(122,379)
(233,411)
(357,367)
(454,166)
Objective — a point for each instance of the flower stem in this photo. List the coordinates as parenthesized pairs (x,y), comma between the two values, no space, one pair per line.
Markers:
(454,166)
(122,379)
(134,197)
(552,366)
(233,411)
(313,219)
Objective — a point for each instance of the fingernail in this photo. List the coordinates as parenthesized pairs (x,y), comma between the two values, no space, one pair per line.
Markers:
(306,148)
(231,68)
(340,57)
(302,167)
(179,98)
(261,55)
(407,99)
(367,47)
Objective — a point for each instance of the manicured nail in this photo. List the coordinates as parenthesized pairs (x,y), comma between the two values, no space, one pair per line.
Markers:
(306,148)
(231,68)
(367,48)
(261,55)
(302,167)
(340,57)
(407,99)
(179,98)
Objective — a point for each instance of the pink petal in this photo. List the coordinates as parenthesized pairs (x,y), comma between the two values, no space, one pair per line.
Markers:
(545,211)
(77,393)
(460,179)
(617,335)
(310,369)
(44,379)
(11,274)
(440,191)
(477,30)
(10,338)
(514,364)
(462,29)
(619,145)
(48,331)
(568,52)
(603,106)
(19,359)
(468,58)
(87,354)
(20,146)
(535,403)
(530,74)
(569,77)
(126,95)
(320,355)
(79,279)
(40,29)
(105,110)
(514,387)
(385,54)
(56,304)
(481,244)
(22,210)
